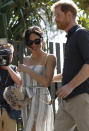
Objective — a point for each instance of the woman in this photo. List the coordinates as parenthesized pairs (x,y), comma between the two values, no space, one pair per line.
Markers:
(38,70)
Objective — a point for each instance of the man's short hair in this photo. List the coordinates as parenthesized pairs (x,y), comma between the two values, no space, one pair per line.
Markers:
(66,6)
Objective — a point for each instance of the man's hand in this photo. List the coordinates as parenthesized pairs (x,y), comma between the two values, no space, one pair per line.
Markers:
(64,91)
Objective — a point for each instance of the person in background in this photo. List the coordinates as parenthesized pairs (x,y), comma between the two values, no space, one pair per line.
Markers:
(74,93)
(38,70)
(8,77)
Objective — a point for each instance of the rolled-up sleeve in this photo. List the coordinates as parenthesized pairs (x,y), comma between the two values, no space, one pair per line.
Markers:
(83,44)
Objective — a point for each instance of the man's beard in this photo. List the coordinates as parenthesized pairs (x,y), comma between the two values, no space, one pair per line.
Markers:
(63,25)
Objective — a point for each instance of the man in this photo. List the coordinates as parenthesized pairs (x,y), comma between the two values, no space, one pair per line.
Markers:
(8,76)
(74,107)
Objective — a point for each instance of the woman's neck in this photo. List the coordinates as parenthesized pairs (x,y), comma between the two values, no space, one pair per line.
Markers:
(38,55)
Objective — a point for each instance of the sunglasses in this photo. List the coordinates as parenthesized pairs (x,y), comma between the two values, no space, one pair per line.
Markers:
(36,42)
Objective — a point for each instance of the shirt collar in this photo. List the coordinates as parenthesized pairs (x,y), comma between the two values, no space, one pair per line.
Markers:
(72,30)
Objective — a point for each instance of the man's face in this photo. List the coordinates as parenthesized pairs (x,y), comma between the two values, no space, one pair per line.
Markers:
(61,19)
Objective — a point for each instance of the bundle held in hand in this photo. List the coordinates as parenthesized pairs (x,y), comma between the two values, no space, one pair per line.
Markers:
(15,98)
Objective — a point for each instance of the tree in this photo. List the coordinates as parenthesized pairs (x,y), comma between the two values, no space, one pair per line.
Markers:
(83,13)
(17,15)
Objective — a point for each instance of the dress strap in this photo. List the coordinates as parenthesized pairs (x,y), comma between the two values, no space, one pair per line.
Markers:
(46,59)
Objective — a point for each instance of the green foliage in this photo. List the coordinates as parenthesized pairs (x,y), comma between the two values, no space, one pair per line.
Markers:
(17,15)
(21,14)
(83,15)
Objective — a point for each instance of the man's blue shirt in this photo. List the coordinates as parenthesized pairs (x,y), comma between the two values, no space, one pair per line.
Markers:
(76,55)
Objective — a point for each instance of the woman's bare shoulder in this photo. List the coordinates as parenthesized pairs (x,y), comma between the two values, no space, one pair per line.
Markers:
(51,57)
(51,60)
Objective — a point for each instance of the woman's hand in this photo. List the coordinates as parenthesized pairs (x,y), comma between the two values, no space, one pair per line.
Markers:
(57,78)
(21,68)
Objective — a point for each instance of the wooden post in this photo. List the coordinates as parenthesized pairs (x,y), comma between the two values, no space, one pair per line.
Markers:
(15,56)
(58,58)
(51,47)
(21,51)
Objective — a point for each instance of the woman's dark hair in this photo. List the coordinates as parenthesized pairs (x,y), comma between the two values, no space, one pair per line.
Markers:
(34,29)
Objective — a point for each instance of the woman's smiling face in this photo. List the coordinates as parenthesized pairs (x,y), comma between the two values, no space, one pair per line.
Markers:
(36,42)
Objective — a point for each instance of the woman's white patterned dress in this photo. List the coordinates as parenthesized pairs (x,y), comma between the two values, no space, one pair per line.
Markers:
(38,110)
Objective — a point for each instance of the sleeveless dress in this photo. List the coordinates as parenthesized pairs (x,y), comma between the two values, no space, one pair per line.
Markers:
(38,110)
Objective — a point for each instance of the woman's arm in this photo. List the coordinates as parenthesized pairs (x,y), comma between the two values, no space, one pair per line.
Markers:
(46,78)
(57,78)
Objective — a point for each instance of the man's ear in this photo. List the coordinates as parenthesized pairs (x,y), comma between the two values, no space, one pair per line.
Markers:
(69,14)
